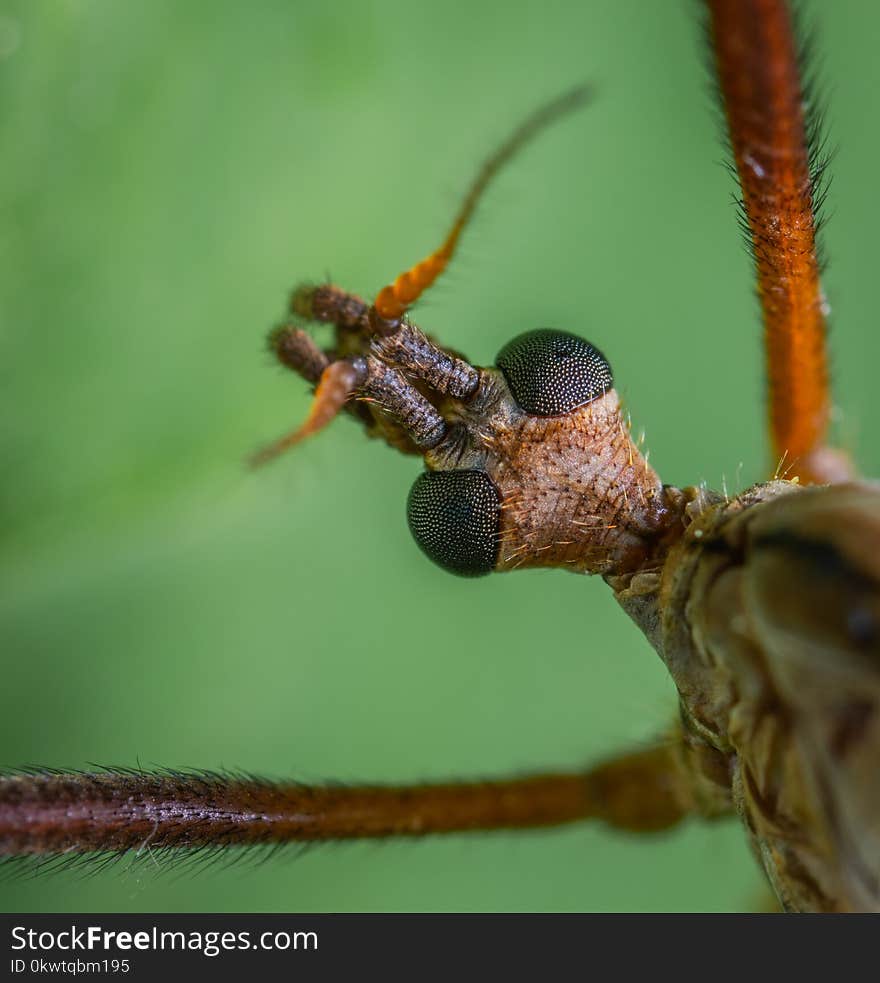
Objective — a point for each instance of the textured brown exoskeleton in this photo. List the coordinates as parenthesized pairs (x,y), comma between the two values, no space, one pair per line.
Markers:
(765,607)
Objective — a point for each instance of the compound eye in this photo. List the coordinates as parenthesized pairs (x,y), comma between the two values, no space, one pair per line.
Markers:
(553,372)
(454,516)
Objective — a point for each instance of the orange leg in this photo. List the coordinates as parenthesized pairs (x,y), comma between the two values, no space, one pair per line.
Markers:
(51,813)
(756,59)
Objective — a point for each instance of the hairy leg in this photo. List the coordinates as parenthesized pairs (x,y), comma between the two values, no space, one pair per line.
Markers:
(777,150)
(50,813)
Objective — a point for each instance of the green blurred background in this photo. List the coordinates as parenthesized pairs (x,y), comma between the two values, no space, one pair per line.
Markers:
(168,171)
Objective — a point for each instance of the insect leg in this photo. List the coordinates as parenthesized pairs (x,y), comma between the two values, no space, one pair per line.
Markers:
(651,789)
(779,163)
(49,813)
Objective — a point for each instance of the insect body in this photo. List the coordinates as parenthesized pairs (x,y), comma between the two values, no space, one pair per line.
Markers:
(767,615)
(765,607)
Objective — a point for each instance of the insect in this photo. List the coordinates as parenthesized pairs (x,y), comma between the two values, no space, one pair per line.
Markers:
(637,541)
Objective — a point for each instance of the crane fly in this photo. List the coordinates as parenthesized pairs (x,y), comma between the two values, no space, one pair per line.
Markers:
(764,606)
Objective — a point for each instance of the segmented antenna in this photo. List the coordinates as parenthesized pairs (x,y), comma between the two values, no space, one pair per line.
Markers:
(393,301)
(337,384)
(341,379)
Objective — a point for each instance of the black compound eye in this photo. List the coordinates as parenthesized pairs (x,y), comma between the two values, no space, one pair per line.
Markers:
(552,372)
(454,516)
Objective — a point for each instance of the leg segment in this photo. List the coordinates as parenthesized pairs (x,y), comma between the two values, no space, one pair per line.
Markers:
(50,813)
(780,172)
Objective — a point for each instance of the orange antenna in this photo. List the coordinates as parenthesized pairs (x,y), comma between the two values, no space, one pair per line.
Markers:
(393,301)
(338,381)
